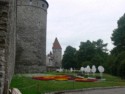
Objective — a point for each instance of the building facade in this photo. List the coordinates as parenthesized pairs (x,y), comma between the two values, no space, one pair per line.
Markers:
(31,36)
(54,58)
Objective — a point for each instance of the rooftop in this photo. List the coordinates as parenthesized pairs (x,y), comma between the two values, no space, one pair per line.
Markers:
(56,44)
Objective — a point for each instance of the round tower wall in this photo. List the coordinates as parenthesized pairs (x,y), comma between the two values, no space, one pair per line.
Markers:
(35,3)
(31,36)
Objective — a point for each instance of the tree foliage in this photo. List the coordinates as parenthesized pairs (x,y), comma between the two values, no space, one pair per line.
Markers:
(119,59)
(86,51)
(116,61)
(121,69)
(118,37)
(100,46)
(92,52)
(89,53)
(69,58)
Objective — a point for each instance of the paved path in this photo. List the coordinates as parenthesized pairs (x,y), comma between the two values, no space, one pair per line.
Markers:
(100,91)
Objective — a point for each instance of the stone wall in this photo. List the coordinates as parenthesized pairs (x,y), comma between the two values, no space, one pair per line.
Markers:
(31,36)
(57,53)
(7,42)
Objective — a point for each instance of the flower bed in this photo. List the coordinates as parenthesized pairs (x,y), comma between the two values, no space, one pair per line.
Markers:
(63,78)
(85,80)
(55,77)
(46,78)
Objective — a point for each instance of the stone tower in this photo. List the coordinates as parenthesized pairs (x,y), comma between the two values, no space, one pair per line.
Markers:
(57,53)
(31,36)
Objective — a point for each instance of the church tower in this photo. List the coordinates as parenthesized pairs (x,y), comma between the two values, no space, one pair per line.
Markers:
(57,53)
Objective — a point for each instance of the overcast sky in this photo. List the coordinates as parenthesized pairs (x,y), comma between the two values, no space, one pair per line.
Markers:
(75,21)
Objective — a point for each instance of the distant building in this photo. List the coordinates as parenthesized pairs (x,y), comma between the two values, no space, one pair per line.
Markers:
(54,58)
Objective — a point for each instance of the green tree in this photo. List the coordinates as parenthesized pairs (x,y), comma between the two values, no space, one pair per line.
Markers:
(101,55)
(118,52)
(118,36)
(121,69)
(69,58)
(114,64)
(120,58)
(121,21)
(92,52)
(89,53)
(97,60)
(100,46)
(86,52)
(109,64)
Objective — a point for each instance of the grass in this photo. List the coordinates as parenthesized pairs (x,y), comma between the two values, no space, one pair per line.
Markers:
(29,86)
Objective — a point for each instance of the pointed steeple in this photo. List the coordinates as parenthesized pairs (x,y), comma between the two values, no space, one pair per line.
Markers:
(56,44)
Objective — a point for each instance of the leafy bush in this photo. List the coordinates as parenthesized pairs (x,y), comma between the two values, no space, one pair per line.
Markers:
(121,70)
(114,63)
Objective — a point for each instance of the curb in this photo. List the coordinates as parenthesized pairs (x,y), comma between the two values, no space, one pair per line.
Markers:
(85,89)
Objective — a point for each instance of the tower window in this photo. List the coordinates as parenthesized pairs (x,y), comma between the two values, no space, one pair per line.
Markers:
(30,2)
(42,5)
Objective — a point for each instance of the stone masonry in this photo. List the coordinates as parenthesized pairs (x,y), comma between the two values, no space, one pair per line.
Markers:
(7,43)
(31,36)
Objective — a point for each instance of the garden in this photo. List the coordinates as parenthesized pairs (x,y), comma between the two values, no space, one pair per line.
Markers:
(55,81)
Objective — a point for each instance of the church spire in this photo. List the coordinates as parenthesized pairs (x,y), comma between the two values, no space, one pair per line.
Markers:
(56,44)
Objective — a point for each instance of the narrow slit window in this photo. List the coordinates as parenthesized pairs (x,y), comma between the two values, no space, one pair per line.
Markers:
(30,2)
(42,5)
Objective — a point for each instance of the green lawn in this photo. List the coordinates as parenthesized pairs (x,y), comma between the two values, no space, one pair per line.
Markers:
(29,86)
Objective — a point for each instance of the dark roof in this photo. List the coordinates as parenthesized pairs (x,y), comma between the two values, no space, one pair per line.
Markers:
(56,44)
